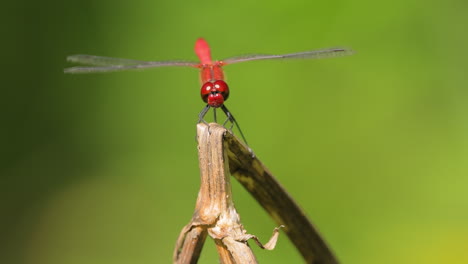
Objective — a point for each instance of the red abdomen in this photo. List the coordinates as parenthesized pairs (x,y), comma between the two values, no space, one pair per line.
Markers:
(203,51)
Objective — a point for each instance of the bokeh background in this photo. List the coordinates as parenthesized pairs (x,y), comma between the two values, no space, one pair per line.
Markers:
(103,168)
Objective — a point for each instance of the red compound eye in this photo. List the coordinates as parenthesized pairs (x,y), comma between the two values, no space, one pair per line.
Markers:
(206,90)
(214,93)
(222,87)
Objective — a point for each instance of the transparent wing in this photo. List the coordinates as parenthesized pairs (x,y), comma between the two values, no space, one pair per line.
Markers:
(108,64)
(313,54)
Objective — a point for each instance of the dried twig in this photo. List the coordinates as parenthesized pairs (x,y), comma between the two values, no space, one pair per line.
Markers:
(220,153)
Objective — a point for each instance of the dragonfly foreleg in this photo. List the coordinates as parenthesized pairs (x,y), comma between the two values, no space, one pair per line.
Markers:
(233,121)
(202,114)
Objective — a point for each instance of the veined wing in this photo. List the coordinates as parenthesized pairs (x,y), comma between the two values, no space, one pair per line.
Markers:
(313,54)
(108,64)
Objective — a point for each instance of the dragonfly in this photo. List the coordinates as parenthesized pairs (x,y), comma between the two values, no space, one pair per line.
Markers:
(214,89)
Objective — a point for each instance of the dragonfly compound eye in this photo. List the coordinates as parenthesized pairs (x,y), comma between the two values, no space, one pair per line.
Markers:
(205,91)
(223,88)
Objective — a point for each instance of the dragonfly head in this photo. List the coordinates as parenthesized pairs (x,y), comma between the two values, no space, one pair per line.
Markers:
(215,93)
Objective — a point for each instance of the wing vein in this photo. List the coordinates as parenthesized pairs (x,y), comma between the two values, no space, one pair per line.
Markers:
(108,64)
(314,54)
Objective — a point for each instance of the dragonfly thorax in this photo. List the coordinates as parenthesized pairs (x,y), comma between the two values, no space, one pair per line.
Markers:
(211,72)
(215,93)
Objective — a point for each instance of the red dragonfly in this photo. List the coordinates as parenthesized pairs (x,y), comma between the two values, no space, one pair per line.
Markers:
(214,90)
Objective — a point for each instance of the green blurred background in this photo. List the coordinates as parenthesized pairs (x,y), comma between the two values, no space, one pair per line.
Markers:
(103,168)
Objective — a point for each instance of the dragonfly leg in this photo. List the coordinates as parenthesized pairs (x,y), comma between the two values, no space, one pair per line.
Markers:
(202,114)
(233,121)
(214,115)
(230,118)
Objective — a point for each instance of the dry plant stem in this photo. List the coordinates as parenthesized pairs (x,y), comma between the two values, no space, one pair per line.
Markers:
(215,213)
(224,255)
(259,182)
(191,244)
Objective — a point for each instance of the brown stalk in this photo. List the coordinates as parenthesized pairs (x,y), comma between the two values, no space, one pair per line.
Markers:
(220,155)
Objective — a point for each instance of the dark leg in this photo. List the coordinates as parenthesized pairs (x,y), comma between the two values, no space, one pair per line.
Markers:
(233,122)
(202,114)
(214,113)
